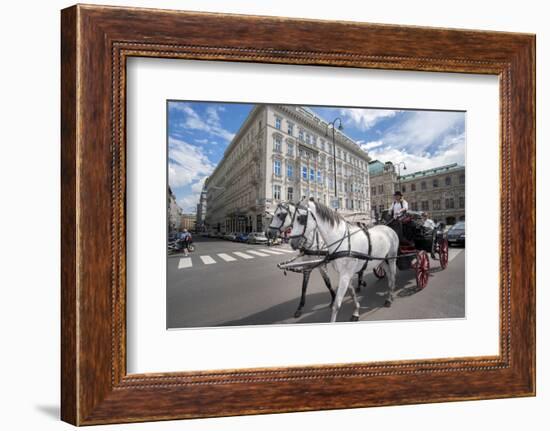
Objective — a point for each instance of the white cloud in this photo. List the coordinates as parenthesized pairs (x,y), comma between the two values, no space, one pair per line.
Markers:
(187,164)
(421,130)
(364,119)
(188,203)
(210,124)
(367,146)
(452,152)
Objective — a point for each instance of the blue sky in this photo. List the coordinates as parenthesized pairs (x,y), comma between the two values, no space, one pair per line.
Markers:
(199,133)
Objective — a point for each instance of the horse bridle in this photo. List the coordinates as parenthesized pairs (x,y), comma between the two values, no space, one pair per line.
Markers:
(283,215)
(303,219)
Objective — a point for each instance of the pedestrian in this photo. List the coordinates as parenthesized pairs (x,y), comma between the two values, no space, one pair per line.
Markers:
(184,238)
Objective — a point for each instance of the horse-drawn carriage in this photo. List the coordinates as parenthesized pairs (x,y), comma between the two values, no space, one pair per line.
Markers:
(416,244)
(323,236)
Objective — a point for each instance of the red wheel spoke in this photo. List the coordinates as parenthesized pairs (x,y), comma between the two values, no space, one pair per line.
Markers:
(422,269)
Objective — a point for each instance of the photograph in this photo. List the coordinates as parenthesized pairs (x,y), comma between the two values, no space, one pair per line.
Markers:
(292,214)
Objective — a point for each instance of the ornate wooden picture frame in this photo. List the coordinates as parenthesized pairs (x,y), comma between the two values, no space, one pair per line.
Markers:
(96,42)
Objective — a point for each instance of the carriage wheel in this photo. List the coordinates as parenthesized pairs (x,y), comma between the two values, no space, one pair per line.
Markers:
(379,271)
(443,253)
(422,269)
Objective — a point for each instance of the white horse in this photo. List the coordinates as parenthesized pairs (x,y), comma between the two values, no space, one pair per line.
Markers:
(283,218)
(343,239)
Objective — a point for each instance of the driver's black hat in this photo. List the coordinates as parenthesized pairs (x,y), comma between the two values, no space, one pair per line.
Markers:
(398,193)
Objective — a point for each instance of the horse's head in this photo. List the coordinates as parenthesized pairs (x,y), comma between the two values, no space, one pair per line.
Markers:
(303,227)
(281,219)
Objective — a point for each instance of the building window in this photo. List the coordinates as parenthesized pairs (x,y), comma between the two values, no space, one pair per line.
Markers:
(312,174)
(277,167)
(290,128)
(449,203)
(380,209)
(425,205)
(301,135)
(323,145)
(304,172)
(289,170)
(436,204)
(289,194)
(380,189)
(290,149)
(308,138)
(373,190)
(461,201)
(435,182)
(277,192)
(423,185)
(413,187)
(278,123)
(462,179)
(403,188)
(414,206)
(319,177)
(278,145)
(447,181)
(339,152)
(314,140)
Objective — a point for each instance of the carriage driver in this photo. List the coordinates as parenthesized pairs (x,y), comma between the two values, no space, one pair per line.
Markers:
(399,205)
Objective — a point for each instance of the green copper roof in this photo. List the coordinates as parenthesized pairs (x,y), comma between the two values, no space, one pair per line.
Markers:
(376,167)
(434,171)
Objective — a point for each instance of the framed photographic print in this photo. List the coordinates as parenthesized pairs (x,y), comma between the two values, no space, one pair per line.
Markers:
(259,217)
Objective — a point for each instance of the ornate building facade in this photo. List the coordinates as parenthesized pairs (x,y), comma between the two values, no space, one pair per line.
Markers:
(201,212)
(284,153)
(439,191)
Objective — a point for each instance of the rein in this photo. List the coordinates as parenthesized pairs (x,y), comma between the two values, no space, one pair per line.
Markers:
(337,253)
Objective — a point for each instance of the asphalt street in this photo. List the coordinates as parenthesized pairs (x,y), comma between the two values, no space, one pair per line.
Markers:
(225,283)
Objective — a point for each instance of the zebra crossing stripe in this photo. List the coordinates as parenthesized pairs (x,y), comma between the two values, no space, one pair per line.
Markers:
(243,255)
(185,262)
(270,251)
(226,257)
(257,253)
(286,250)
(207,260)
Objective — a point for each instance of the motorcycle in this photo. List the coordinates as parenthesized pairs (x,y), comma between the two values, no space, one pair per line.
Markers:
(176,246)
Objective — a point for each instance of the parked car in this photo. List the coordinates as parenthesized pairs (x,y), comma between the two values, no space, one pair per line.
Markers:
(242,237)
(231,236)
(257,238)
(456,235)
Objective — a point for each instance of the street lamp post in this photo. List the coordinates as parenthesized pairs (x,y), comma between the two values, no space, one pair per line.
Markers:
(332,125)
(399,172)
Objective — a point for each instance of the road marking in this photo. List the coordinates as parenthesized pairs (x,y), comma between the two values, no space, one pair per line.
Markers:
(270,251)
(286,250)
(207,260)
(226,257)
(185,262)
(257,253)
(243,255)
